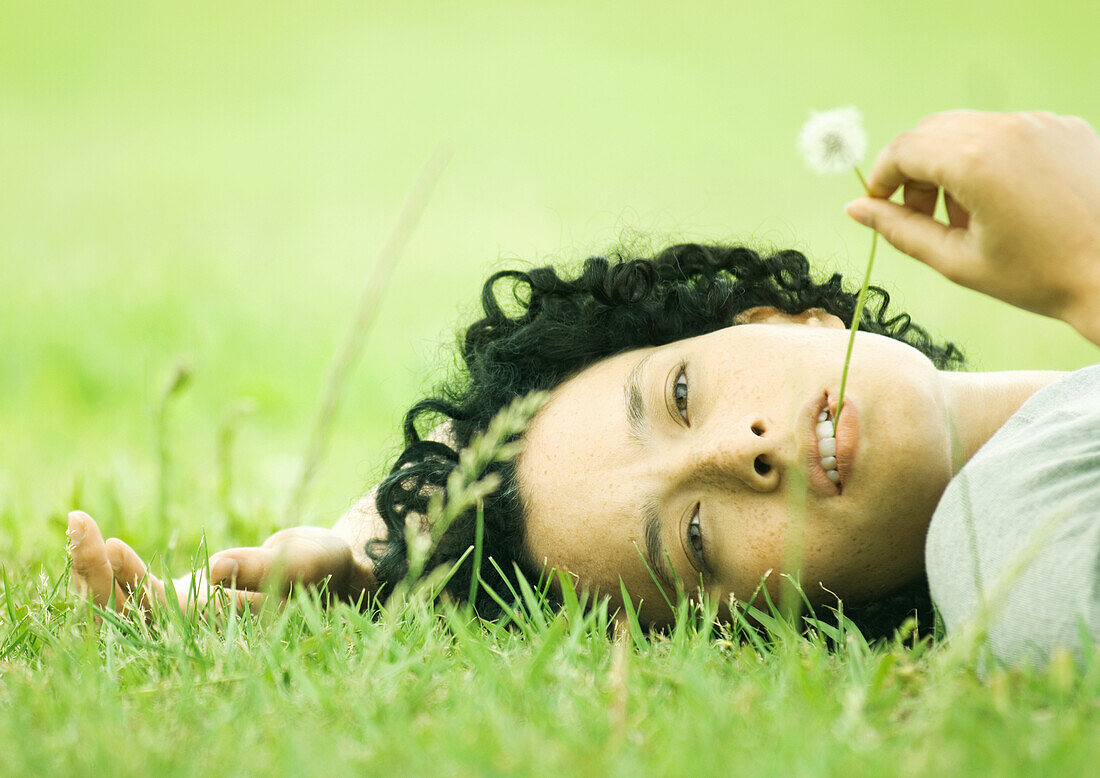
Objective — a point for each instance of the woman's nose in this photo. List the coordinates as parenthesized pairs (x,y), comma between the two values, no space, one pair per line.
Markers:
(744,452)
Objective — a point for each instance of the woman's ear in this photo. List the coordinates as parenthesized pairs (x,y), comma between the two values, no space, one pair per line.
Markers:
(767,314)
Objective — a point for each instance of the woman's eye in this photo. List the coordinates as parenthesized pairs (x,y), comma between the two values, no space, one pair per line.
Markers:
(680,394)
(695,535)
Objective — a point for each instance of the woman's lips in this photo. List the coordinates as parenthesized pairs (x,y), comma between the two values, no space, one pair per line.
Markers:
(815,473)
(847,438)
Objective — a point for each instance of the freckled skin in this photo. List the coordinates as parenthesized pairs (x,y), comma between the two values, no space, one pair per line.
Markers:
(585,481)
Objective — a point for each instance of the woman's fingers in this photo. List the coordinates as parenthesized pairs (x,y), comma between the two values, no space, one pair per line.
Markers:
(915,233)
(306,555)
(922,161)
(906,160)
(237,599)
(132,574)
(1022,191)
(935,153)
(921,196)
(92,574)
(145,591)
(956,214)
(240,568)
(102,568)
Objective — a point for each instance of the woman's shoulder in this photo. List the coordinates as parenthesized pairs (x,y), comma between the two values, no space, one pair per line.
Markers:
(1017,531)
(1075,389)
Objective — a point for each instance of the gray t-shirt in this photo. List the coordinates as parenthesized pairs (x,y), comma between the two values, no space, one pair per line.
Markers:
(1014,544)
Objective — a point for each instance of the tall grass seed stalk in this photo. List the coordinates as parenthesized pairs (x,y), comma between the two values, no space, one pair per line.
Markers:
(467,485)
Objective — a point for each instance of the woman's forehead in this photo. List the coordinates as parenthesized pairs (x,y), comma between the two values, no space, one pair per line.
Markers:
(581,431)
(579,480)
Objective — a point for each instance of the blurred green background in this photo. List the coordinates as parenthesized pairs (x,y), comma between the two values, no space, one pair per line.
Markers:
(207,183)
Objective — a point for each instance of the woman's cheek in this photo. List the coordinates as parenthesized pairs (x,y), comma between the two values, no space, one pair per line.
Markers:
(745,569)
(760,554)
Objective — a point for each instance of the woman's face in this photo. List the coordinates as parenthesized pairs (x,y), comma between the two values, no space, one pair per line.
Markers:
(702,460)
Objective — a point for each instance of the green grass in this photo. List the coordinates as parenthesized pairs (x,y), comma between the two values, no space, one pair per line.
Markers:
(205,185)
(411,688)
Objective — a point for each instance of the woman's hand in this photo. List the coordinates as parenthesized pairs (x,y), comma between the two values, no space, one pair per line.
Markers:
(295,556)
(1022,193)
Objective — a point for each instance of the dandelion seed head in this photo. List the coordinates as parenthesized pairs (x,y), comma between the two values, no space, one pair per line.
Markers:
(833,141)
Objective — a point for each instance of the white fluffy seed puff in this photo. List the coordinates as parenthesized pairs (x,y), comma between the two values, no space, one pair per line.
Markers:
(833,141)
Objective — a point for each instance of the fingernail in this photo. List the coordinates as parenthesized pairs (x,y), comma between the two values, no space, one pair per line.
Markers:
(76,528)
(859,212)
(224,571)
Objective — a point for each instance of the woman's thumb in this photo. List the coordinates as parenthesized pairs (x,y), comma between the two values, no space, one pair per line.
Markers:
(909,231)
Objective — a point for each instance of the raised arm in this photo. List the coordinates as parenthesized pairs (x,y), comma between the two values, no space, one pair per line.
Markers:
(1022,194)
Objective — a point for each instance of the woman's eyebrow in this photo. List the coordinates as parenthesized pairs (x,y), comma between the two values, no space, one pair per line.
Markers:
(637,418)
(655,555)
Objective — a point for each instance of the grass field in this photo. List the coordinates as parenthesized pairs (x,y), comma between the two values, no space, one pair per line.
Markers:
(205,186)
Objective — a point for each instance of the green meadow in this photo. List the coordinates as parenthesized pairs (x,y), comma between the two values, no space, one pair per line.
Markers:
(200,190)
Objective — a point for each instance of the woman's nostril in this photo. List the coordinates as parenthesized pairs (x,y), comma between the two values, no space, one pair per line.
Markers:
(761,466)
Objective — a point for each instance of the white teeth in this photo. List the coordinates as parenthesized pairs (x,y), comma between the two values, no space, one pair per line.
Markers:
(826,445)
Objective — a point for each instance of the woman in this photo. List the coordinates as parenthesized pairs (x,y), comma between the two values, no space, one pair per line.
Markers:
(676,449)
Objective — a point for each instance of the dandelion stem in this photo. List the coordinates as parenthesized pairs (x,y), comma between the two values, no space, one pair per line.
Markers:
(856,316)
(863,181)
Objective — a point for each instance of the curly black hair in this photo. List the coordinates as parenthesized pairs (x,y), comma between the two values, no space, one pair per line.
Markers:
(540,328)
